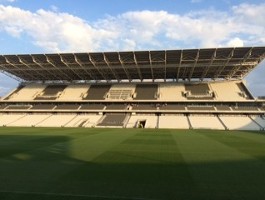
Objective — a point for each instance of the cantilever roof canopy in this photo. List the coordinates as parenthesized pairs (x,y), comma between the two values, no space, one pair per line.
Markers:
(187,64)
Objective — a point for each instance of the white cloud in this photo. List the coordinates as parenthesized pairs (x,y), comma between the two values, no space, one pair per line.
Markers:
(235,42)
(55,31)
(250,13)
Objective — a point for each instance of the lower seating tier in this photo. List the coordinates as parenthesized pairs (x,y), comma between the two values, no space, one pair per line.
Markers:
(175,121)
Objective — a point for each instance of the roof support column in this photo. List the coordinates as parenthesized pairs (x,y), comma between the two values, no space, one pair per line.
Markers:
(179,65)
(151,65)
(82,66)
(195,63)
(236,68)
(226,63)
(109,66)
(124,68)
(96,67)
(209,66)
(137,67)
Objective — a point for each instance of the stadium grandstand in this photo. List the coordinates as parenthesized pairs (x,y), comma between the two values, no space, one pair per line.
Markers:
(178,89)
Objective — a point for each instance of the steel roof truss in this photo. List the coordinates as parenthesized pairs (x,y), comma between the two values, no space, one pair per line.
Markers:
(237,67)
(109,66)
(209,66)
(217,63)
(179,66)
(50,62)
(195,63)
(137,67)
(31,69)
(82,66)
(96,67)
(40,65)
(231,54)
(151,67)
(64,62)
(15,66)
(124,68)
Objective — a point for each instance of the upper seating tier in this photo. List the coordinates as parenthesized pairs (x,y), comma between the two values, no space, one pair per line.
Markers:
(219,91)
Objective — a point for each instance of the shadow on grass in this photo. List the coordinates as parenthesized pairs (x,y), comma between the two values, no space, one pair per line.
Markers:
(41,167)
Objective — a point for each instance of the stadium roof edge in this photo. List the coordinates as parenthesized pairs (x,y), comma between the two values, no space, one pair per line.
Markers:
(182,64)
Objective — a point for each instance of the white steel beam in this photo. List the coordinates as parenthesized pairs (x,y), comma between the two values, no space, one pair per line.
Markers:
(10,63)
(226,63)
(179,65)
(96,67)
(109,66)
(209,66)
(124,68)
(51,63)
(236,68)
(151,67)
(31,69)
(137,67)
(42,67)
(194,65)
(66,64)
(83,67)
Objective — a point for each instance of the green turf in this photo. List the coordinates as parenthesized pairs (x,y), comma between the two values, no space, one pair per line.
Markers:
(77,164)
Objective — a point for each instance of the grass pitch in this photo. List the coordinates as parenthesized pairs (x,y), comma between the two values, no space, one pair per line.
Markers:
(137,164)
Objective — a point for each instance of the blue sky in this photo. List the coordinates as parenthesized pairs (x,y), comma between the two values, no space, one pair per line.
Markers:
(47,26)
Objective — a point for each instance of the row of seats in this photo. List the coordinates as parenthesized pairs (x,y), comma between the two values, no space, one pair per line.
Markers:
(113,120)
(122,106)
(150,91)
(49,120)
(221,122)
